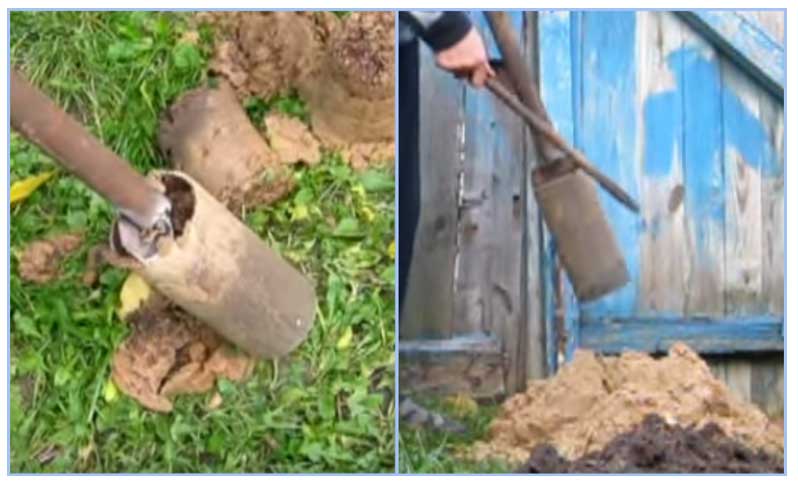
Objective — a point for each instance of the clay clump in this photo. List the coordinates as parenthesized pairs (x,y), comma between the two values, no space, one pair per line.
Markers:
(40,261)
(170,353)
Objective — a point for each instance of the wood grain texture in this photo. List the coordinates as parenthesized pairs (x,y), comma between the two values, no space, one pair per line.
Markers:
(744,42)
(533,341)
(429,306)
(704,335)
(665,257)
(463,365)
(496,142)
(704,194)
(767,383)
(745,149)
(770,21)
(608,126)
(772,115)
(559,42)
(757,379)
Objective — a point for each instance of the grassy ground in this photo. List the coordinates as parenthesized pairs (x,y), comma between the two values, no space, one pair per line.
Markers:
(326,408)
(425,451)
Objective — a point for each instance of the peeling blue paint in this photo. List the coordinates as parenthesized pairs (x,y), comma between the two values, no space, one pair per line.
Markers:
(744,131)
(662,123)
(707,104)
(695,123)
(744,42)
(608,128)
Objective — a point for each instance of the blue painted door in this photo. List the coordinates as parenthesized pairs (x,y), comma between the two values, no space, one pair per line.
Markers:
(691,129)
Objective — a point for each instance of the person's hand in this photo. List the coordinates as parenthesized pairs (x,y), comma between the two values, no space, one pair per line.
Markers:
(467,58)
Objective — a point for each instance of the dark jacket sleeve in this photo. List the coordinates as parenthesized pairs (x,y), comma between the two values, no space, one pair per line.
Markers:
(439,30)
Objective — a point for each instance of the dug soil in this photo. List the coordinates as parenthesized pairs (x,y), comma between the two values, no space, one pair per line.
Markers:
(594,399)
(654,446)
(342,68)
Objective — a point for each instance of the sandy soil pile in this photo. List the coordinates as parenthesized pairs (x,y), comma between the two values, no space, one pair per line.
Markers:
(594,399)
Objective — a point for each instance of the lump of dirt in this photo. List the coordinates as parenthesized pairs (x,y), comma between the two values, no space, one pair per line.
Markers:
(351,98)
(593,399)
(342,69)
(291,140)
(40,262)
(654,446)
(362,156)
(171,353)
(264,53)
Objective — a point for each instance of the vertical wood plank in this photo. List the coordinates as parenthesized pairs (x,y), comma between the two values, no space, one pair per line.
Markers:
(534,343)
(745,149)
(704,196)
(475,240)
(609,131)
(664,254)
(557,90)
(428,311)
(757,379)
(773,206)
(492,224)
(767,384)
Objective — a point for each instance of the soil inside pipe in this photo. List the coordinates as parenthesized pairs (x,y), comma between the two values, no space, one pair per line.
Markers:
(181,195)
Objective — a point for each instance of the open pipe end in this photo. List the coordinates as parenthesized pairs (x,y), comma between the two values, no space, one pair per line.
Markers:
(128,240)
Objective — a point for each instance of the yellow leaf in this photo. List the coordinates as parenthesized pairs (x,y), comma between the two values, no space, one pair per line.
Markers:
(359,191)
(23,188)
(133,294)
(368,213)
(345,340)
(462,405)
(300,212)
(110,392)
(392,250)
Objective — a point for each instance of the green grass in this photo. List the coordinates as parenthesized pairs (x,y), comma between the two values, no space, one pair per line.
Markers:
(426,451)
(328,407)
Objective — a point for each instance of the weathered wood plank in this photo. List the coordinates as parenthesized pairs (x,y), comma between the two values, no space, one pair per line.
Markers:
(704,196)
(704,335)
(534,341)
(746,148)
(428,310)
(771,21)
(754,378)
(461,365)
(609,127)
(745,43)
(767,384)
(772,115)
(559,63)
(507,185)
(665,256)
(738,378)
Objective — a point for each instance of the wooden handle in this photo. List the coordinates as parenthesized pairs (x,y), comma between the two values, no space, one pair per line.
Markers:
(43,123)
(542,127)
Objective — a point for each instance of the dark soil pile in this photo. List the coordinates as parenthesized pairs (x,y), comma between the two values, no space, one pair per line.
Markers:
(654,446)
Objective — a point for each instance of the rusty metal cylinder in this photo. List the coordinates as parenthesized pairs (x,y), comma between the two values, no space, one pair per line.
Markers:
(43,123)
(586,245)
(218,270)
